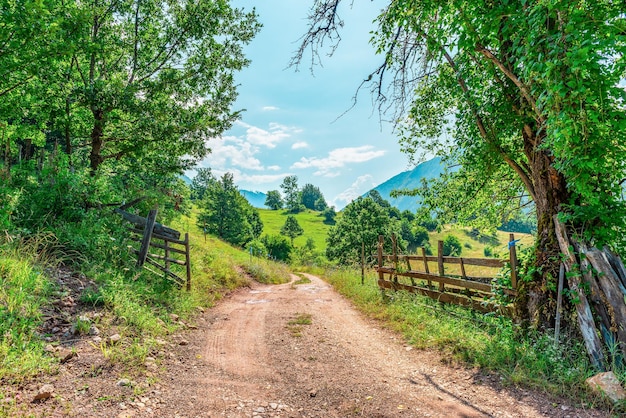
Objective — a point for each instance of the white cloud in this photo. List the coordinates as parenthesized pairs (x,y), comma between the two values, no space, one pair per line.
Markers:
(232,151)
(339,158)
(268,137)
(361,185)
(269,108)
(299,145)
(273,167)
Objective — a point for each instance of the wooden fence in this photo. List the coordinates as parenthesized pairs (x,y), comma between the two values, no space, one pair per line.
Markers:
(468,285)
(168,247)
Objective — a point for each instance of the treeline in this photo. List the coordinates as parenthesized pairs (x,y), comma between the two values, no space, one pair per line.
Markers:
(106,102)
(226,213)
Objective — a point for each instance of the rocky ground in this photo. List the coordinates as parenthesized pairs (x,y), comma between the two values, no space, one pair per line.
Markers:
(265,351)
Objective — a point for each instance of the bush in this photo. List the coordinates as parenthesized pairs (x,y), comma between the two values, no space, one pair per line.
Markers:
(452,246)
(488,251)
(277,247)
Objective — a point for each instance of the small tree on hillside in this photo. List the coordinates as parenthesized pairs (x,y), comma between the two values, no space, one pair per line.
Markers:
(203,179)
(329,215)
(362,221)
(452,246)
(226,213)
(274,200)
(310,195)
(292,193)
(291,228)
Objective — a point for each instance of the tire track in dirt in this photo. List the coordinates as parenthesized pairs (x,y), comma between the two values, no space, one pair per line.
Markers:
(253,364)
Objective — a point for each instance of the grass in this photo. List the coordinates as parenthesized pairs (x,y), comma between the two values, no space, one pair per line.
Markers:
(473,339)
(312,223)
(24,290)
(136,303)
(295,325)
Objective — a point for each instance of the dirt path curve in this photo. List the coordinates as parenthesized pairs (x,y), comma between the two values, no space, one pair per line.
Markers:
(256,360)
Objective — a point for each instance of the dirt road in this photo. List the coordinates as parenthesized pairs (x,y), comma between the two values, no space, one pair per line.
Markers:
(303,351)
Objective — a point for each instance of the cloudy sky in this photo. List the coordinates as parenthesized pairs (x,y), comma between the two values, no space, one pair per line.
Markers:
(292,123)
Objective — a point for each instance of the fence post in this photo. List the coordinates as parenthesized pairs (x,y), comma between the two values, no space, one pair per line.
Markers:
(147,236)
(362,262)
(381,275)
(394,244)
(187,261)
(440,263)
(167,256)
(513,261)
(426,265)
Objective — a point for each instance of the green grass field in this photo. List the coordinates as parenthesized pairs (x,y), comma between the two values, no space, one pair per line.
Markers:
(312,222)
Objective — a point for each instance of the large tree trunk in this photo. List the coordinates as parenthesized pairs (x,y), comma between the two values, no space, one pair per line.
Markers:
(97,141)
(537,303)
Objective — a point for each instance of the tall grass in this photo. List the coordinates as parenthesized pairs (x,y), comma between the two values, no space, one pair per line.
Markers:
(484,341)
(24,289)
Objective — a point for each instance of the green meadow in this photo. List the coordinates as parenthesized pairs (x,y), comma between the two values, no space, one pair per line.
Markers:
(312,223)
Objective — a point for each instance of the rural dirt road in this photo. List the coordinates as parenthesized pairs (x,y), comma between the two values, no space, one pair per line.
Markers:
(273,351)
(258,357)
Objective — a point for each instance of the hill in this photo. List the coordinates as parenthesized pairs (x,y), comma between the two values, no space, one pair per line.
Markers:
(409,180)
(312,222)
(256,199)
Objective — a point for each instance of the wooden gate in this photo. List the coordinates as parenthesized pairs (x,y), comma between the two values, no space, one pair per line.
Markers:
(480,292)
(168,247)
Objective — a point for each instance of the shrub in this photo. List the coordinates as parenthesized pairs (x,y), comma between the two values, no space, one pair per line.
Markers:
(452,246)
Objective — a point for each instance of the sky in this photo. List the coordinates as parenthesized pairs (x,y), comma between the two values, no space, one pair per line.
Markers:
(293,123)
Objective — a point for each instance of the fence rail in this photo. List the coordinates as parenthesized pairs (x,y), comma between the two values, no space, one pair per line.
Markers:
(412,273)
(147,230)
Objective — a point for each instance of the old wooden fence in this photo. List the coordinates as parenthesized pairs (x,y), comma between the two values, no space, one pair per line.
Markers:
(168,251)
(458,280)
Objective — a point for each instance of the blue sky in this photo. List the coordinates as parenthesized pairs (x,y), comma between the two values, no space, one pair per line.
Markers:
(290,125)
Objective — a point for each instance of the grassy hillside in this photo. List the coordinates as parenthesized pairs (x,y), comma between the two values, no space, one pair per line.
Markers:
(312,222)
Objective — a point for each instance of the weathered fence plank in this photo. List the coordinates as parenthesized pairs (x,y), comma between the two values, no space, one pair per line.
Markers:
(464,290)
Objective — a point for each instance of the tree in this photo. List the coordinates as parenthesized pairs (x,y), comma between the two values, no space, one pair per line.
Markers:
(362,221)
(312,198)
(414,235)
(329,215)
(157,76)
(274,200)
(291,228)
(277,247)
(203,180)
(226,213)
(528,98)
(292,194)
(452,246)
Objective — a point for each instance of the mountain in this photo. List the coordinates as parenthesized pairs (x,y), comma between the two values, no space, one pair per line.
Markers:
(409,180)
(256,199)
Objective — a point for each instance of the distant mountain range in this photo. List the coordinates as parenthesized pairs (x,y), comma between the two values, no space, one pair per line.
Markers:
(406,180)
(256,199)
(409,180)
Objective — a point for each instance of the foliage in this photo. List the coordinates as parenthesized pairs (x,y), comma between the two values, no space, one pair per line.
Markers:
(452,246)
(203,180)
(274,200)
(523,100)
(292,194)
(312,223)
(414,235)
(329,215)
(361,222)
(227,214)
(484,341)
(277,247)
(24,289)
(312,198)
(291,228)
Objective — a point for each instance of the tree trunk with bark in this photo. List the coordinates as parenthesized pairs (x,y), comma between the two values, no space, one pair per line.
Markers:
(536,303)
(97,140)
